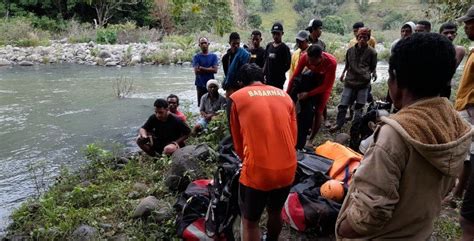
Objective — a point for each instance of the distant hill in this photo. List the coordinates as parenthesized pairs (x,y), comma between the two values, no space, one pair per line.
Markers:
(376,13)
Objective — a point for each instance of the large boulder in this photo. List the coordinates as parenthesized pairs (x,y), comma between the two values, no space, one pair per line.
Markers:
(104,54)
(4,62)
(145,207)
(26,63)
(186,164)
(84,233)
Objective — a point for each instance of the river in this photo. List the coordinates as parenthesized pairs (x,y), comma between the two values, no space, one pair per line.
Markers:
(49,113)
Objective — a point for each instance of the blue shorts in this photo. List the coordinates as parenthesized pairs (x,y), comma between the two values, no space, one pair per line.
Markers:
(203,122)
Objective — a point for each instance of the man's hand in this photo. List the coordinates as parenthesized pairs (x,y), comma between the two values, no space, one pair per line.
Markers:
(302,96)
(342,77)
(208,117)
(374,76)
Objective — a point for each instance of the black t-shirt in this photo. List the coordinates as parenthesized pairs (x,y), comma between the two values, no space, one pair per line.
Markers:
(165,132)
(278,60)
(257,56)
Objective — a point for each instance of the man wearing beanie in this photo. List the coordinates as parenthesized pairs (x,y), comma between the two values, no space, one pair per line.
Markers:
(361,61)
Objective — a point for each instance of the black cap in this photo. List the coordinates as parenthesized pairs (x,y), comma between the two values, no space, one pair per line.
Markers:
(314,23)
(277,27)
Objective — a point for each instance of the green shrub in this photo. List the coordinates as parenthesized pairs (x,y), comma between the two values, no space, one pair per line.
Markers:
(267,5)
(80,32)
(363,6)
(301,5)
(106,36)
(255,21)
(392,19)
(20,32)
(48,24)
(334,24)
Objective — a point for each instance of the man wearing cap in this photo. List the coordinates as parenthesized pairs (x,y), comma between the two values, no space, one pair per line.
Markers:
(205,66)
(314,28)
(277,58)
(361,62)
(302,43)
(211,103)
(231,63)
(355,29)
(465,105)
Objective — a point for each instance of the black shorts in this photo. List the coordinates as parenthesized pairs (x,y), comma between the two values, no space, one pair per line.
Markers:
(467,209)
(252,202)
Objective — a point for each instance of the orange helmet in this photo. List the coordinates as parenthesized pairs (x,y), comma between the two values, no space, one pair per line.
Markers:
(333,190)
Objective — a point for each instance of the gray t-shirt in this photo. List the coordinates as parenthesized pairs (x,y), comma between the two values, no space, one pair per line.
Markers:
(212,106)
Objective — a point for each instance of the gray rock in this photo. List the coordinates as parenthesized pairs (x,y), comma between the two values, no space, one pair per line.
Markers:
(63,41)
(140,187)
(91,44)
(17,238)
(186,64)
(186,161)
(163,214)
(136,59)
(342,138)
(104,54)
(85,183)
(26,63)
(111,64)
(145,207)
(84,233)
(4,62)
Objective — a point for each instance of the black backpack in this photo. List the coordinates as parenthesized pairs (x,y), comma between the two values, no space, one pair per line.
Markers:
(223,207)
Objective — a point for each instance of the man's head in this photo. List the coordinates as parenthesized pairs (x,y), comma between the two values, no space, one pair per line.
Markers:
(421,65)
(468,20)
(302,39)
(249,73)
(356,26)
(173,103)
(407,29)
(363,36)
(423,26)
(212,87)
(204,44)
(161,109)
(256,38)
(234,41)
(449,30)
(315,27)
(315,54)
(277,32)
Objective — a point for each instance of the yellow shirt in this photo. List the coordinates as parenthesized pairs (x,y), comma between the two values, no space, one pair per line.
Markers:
(294,60)
(465,95)
(372,42)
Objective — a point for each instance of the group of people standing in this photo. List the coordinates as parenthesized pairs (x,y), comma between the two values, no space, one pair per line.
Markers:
(416,155)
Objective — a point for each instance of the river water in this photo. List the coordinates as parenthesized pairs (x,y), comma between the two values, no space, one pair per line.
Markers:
(49,113)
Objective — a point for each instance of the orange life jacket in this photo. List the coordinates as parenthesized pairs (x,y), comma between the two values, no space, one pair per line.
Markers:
(345,160)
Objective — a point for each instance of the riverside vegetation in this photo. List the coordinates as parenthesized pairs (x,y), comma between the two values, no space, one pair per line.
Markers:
(105,191)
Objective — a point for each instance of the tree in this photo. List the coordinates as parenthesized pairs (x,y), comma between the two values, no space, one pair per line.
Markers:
(334,24)
(105,9)
(162,14)
(254,20)
(267,5)
(448,10)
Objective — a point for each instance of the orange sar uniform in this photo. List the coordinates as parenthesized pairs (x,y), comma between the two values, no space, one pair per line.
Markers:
(263,126)
(327,67)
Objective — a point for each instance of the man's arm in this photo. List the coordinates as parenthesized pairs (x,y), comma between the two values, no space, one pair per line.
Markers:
(212,69)
(185,132)
(299,68)
(287,60)
(346,67)
(460,53)
(329,77)
(373,66)
(143,133)
(235,131)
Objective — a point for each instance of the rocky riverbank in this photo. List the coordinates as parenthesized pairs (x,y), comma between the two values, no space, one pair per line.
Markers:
(104,55)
